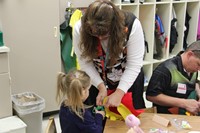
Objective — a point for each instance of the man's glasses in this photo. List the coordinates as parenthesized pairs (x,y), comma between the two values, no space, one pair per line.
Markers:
(196,50)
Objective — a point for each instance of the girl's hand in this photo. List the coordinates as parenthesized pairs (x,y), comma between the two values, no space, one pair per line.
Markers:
(100,112)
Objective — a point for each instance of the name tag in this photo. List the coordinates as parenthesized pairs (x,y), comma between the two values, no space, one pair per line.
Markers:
(181,88)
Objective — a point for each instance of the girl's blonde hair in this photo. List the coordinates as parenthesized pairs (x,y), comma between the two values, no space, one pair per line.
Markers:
(69,90)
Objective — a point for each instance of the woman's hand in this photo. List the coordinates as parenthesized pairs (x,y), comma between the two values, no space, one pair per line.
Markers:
(114,99)
(101,95)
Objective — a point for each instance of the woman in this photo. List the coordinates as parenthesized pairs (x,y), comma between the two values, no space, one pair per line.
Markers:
(102,49)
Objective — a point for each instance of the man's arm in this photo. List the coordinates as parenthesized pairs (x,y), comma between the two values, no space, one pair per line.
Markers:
(197,89)
(190,105)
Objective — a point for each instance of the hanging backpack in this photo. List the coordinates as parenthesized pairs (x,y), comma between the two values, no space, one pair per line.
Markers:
(187,25)
(173,35)
(160,37)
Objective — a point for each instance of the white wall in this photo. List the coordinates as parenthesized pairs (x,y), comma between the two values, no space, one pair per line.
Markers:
(75,4)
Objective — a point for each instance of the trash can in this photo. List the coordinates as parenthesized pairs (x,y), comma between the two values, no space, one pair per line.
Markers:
(28,106)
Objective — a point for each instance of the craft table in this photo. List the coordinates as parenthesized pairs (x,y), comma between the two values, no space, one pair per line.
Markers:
(147,123)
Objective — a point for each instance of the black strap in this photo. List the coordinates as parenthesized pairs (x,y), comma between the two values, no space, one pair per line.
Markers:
(130,18)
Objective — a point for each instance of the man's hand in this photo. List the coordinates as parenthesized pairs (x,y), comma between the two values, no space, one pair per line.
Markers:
(192,106)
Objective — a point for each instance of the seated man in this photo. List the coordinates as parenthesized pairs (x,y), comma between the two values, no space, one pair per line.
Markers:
(173,81)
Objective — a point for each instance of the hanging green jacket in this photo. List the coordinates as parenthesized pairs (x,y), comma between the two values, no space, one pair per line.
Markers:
(69,61)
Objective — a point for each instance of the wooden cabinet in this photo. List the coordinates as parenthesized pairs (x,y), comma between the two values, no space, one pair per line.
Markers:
(31,31)
(5,95)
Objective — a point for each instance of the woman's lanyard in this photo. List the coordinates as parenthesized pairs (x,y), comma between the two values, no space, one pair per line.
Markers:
(103,61)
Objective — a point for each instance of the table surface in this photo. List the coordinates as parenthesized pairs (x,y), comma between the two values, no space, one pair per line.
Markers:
(147,123)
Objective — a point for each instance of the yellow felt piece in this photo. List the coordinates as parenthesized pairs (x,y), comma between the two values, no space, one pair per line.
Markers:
(123,110)
(113,116)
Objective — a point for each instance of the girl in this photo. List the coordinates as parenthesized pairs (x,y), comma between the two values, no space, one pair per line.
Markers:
(75,117)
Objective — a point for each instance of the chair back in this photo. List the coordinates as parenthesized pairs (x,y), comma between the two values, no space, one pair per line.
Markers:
(51,126)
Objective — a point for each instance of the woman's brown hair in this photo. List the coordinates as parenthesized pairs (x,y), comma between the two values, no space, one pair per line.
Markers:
(102,17)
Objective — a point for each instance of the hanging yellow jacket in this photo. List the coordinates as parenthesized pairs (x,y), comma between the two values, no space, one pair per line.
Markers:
(74,18)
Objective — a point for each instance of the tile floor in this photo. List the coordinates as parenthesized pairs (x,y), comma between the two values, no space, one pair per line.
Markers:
(45,119)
